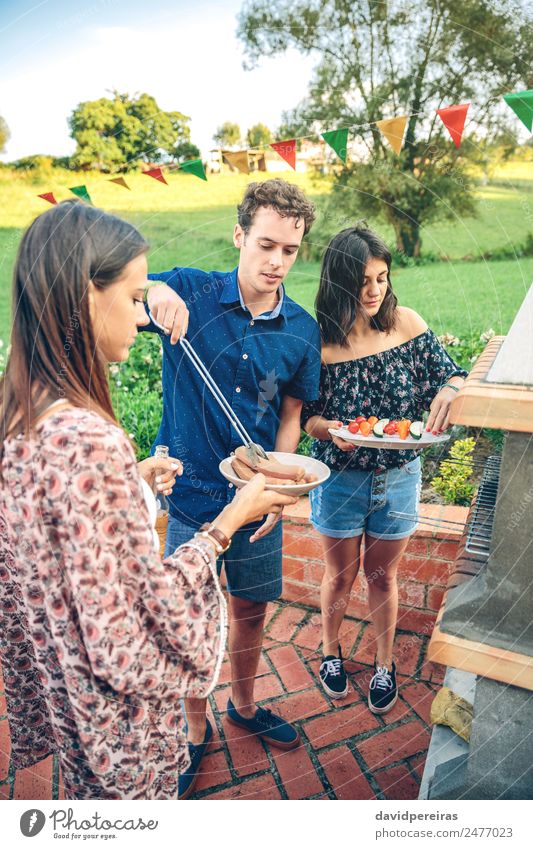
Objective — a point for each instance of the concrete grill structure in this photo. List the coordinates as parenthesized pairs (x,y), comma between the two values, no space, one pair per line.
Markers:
(485,625)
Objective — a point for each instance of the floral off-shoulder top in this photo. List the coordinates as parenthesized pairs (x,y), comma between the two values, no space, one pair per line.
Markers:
(99,638)
(399,383)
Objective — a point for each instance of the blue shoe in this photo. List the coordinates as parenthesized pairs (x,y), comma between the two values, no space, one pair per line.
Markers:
(187,780)
(265,724)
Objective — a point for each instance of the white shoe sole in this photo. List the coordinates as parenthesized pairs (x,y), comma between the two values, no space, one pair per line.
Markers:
(332,693)
(389,707)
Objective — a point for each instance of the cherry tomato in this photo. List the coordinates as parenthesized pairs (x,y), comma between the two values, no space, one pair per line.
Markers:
(353,427)
(365,428)
(389,429)
(372,420)
(360,419)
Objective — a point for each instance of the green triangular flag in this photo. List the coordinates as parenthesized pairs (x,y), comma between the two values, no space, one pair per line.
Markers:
(81,192)
(521,102)
(338,140)
(194,166)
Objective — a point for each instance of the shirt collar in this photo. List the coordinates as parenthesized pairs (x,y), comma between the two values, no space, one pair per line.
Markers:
(231,294)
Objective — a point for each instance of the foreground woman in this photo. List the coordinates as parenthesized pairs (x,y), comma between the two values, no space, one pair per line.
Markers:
(99,638)
(377,359)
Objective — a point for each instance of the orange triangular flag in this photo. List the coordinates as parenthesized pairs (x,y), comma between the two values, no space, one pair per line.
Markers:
(157,174)
(453,118)
(393,130)
(49,196)
(237,158)
(120,181)
(287,150)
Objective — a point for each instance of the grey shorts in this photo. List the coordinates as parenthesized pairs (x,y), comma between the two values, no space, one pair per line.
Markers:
(253,570)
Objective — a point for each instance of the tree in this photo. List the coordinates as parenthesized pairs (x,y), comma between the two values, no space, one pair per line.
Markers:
(4,134)
(383,59)
(228,135)
(113,134)
(186,150)
(258,136)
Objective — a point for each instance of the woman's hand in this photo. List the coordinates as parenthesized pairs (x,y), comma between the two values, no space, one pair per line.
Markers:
(250,504)
(161,473)
(439,409)
(318,427)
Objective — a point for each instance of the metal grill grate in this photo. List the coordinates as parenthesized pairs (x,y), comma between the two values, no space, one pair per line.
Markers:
(481,520)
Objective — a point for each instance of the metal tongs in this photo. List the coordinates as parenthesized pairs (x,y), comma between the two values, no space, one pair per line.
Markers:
(254,451)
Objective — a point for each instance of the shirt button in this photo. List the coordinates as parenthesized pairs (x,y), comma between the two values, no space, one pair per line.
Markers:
(252,323)
(230,486)
(245,356)
(237,389)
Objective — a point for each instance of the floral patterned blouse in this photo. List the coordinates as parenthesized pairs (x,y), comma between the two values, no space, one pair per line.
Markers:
(399,383)
(99,638)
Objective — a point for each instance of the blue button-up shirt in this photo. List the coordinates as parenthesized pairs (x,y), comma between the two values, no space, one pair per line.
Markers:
(254,361)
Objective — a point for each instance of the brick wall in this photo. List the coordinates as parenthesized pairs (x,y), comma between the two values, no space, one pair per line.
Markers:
(422,574)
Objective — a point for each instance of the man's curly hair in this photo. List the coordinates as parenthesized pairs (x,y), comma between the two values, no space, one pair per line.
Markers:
(286,198)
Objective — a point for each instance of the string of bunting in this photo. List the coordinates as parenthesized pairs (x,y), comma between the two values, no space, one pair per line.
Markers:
(392,129)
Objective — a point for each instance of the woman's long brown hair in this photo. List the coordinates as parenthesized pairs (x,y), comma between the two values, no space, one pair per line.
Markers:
(53,351)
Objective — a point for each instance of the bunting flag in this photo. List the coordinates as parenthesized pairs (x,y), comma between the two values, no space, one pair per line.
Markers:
(49,196)
(238,158)
(157,174)
(194,166)
(393,130)
(338,140)
(453,118)
(81,192)
(120,181)
(521,103)
(287,150)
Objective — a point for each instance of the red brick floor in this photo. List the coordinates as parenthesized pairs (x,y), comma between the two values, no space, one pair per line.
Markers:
(346,752)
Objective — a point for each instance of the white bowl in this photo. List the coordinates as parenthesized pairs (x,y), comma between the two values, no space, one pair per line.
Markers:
(311,466)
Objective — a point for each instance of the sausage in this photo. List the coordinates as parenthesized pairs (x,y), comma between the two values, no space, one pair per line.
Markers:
(272,468)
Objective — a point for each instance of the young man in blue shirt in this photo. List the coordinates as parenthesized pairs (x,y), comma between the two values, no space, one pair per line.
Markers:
(263,351)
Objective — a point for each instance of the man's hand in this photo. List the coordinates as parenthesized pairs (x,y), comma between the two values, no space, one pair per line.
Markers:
(271,520)
(168,310)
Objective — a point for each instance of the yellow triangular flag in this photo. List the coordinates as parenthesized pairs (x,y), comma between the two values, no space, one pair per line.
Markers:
(393,130)
(120,181)
(237,158)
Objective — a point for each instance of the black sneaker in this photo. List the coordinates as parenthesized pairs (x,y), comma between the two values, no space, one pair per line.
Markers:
(383,690)
(333,676)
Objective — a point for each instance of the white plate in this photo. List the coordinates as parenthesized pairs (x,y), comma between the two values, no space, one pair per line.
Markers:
(311,466)
(389,442)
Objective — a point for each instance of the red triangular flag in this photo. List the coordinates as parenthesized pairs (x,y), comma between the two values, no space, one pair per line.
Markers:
(49,196)
(157,174)
(453,118)
(286,149)
(120,181)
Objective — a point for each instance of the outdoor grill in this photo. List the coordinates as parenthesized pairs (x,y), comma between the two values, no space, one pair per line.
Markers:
(485,625)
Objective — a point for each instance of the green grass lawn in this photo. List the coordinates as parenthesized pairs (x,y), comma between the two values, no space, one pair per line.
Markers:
(189,222)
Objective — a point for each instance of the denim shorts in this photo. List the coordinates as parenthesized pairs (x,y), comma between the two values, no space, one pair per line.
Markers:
(253,570)
(354,501)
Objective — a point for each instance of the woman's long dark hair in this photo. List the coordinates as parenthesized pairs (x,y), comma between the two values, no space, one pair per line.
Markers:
(341,280)
(53,351)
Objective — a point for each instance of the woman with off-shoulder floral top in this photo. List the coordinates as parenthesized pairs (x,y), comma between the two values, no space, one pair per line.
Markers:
(99,638)
(377,359)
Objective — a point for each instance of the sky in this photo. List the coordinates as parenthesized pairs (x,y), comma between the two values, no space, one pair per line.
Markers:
(56,53)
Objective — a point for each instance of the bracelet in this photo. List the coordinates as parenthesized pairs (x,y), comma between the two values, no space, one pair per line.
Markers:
(450,386)
(216,536)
